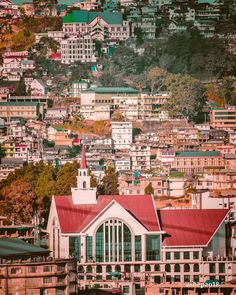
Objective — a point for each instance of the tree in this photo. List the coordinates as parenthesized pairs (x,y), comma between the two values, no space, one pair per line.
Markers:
(17,201)
(187,97)
(110,183)
(20,89)
(156,78)
(149,190)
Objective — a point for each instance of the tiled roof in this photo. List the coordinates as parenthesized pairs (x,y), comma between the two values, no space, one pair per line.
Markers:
(84,16)
(74,218)
(198,154)
(190,227)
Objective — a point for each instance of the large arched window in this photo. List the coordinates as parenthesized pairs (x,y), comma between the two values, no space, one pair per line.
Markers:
(113,242)
(177,268)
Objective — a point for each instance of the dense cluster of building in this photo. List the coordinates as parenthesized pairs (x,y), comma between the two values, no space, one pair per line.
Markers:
(172,227)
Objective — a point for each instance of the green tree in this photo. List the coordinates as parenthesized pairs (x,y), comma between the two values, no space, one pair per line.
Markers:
(149,190)
(20,89)
(187,97)
(110,183)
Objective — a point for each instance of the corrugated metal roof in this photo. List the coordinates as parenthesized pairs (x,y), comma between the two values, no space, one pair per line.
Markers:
(198,154)
(112,90)
(74,218)
(84,16)
(190,227)
(16,247)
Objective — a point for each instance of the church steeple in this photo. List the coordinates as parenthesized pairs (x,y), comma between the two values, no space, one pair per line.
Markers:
(83,193)
(83,164)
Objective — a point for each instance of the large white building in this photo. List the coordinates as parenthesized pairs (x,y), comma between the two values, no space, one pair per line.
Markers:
(78,48)
(122,135)
(98,25)
(126,234)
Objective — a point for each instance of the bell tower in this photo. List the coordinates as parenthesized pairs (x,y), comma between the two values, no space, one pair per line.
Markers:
(83,193)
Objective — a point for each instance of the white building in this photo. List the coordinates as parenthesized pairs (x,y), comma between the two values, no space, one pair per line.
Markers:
(78,48)
(123,165)
(124,234)
(140,157)
(122,135)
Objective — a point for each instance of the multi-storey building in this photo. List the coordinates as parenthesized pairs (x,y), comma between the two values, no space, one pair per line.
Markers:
(98,25)
(225,119)
(140,157)
(27,269)
(97,103)
(26,110)
(197,161)
(122,135)
(76,48)
(125,235)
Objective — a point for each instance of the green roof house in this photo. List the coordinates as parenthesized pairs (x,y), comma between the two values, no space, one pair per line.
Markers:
(111,24)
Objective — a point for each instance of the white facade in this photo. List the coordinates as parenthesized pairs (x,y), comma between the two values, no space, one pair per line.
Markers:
(78,49)
(123,165)
(140,157)
(122,135)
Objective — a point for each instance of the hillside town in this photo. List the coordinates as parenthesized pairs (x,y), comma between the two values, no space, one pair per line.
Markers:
(117,147)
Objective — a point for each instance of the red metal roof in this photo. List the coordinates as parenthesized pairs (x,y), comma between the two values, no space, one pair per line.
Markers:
(74,218)
(188,227)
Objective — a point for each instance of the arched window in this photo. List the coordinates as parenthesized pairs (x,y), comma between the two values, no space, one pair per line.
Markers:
(113,242)
(157,267)
(196,267)
(108,268)
(167,267)
(84,184)
(117,268)
(147,267)
(80,268)
(177,268)
(186,268)
(89,269)
(99,269)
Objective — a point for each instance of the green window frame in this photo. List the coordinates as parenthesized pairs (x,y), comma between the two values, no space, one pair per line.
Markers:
(75,247)
(153,247)
(138,248)
(89,248)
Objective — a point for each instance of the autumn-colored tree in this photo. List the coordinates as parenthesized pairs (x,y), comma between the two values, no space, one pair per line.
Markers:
(17,201)
(149,190)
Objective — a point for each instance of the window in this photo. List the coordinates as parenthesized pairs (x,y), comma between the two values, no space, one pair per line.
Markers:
(221,268)
(177,268)
(138,248)
(15,270)
(74,247)
(196,267)
(127,268)
(137,267)
(177,278)
(186,255)
(196,278)
(147,267)
(47,280)
(168,255)
(153,247)
(167,267)
(186,268)
(212,268)
(99,269)
(176,255)
(186,278)
(157,267)
(89,248)
(33,269)
(125,289)
(47,268)
(195,255)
